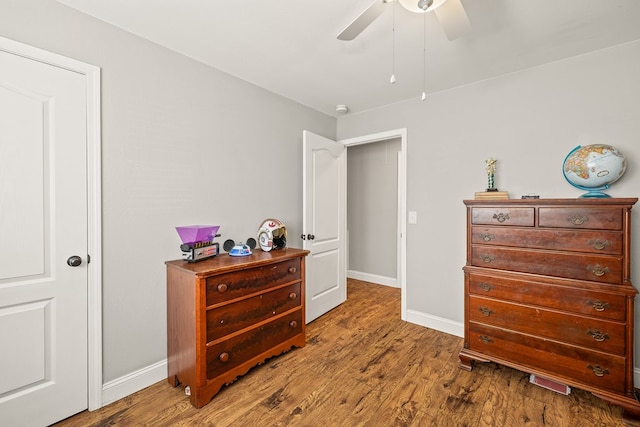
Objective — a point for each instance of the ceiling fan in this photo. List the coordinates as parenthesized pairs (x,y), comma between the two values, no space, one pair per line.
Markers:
(450,14)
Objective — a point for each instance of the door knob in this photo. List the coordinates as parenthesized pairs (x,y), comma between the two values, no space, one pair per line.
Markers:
(310,236)
(74,261)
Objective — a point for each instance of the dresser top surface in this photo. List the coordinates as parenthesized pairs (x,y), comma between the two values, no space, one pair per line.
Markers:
(225,262)
(591,202)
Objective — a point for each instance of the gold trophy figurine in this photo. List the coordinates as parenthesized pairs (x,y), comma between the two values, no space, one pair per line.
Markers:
(491,171)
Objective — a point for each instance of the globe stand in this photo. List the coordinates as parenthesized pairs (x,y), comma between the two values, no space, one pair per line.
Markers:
(594,193)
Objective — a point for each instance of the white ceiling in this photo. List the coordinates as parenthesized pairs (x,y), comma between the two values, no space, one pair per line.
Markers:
(290,47)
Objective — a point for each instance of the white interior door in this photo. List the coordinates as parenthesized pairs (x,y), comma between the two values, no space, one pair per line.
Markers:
(324,223)
(43,223)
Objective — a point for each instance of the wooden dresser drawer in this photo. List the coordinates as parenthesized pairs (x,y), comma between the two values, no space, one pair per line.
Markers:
(565,361)
(587,217)
(604,242)
(598,268)
(595,334)
(244,313)
(583,301)
(228,286)
(241,348)
(503,216)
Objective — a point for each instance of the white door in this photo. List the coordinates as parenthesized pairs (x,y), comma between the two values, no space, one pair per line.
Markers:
(43,224)
(324,223)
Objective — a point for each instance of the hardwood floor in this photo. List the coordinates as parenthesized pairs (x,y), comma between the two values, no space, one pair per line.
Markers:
(363,366)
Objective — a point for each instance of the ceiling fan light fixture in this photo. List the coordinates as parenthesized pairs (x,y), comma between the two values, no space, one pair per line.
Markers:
(425,4)
(421,6)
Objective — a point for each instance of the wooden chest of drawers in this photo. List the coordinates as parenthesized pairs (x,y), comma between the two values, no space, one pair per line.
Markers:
(228,314)
(548,291)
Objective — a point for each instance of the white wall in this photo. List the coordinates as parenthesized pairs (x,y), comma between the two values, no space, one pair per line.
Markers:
(182,144)
(529,121)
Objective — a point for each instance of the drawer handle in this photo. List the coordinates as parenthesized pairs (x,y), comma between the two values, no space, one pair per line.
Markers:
(485,339)
(293,295)
(224,357)
(598,270)
(292,270)
(486,258)
(293,323)
(599,244)
(222,287)
(487,237)
(598,336)
(598,370)
(486,287)
(486,311)
(578,219)
(501,217)
(599,305)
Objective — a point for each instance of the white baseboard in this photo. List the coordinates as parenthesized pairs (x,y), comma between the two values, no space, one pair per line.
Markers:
(434,322)
(135,381)
(373,278)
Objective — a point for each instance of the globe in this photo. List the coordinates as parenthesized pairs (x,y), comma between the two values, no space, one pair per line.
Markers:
(594,168)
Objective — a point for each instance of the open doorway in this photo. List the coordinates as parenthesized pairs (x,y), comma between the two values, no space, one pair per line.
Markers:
(372,212)
(371,152)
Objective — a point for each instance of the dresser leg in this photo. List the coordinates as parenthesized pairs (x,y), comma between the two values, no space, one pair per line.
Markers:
(173,380)
(466,362)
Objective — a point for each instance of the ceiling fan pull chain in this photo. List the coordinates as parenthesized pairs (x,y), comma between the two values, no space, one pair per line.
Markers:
(392,80)
(424,56)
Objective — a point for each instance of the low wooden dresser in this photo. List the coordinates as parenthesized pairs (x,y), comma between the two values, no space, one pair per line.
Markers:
(548,291)
(228,314)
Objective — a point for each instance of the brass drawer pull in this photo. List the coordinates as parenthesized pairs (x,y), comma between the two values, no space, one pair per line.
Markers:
(599,305)
(293,324)
(487,237)
(578,219)
(222,287)
(224,357)
(293,295)
(292,270)
(599,244)
(598,336)
(501,217)
(598,270)
(486,311)
(485,339)
(598,370)
(486,258)
(486,287)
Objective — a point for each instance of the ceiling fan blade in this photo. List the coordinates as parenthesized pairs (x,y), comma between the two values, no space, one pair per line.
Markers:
(453,19)
(363,21)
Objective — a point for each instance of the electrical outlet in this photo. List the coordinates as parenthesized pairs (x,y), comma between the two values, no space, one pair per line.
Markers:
(413,217)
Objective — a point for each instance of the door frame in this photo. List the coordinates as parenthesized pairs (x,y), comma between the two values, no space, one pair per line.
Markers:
(401,242)
(91,74)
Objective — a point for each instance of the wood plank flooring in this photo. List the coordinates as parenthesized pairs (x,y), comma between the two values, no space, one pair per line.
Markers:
(363,366)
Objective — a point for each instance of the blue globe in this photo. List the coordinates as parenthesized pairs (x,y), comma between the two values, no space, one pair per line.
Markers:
(593,168)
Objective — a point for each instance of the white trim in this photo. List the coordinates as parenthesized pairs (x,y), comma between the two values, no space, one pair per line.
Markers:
(133,382)
(402,203)
(94,206)
(373,278)
(434,322)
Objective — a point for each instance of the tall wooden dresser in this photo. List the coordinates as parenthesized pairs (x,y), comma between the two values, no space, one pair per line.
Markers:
(548,291)
(228,314)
